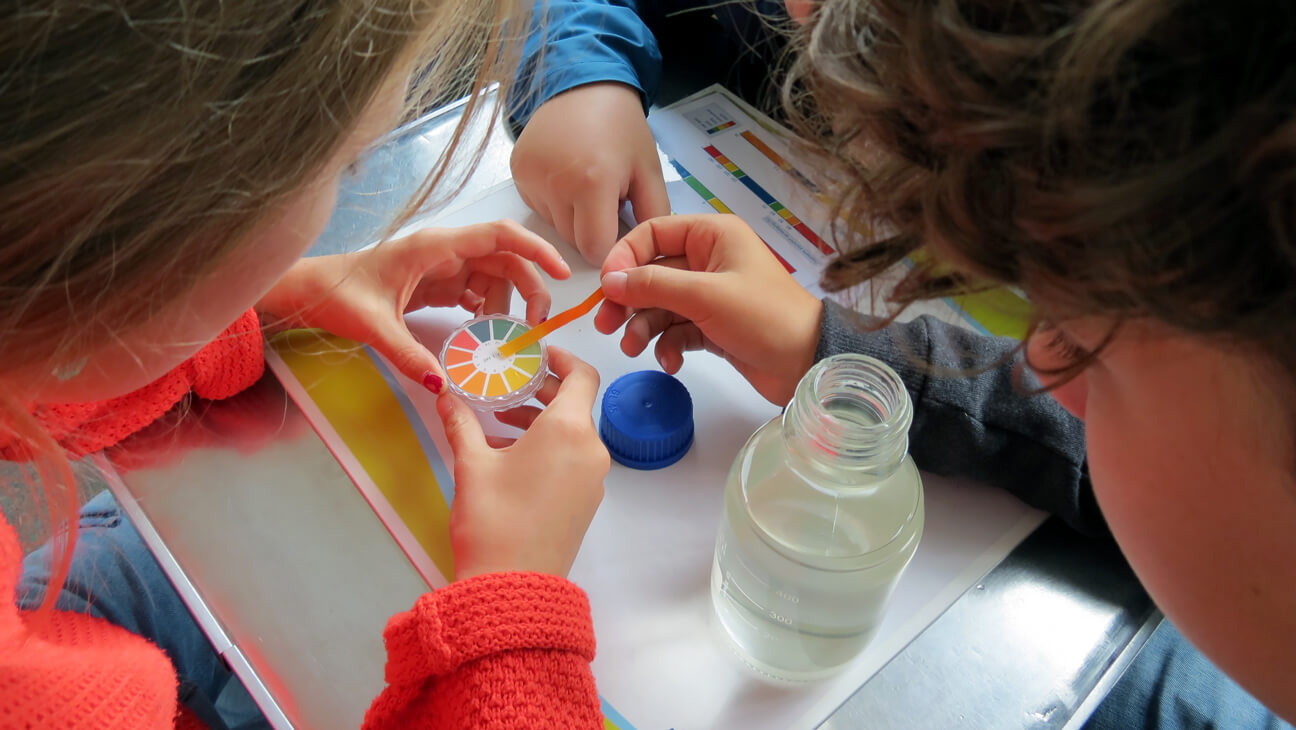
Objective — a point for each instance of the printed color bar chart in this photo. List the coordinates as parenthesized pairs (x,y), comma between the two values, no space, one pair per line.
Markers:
(710,198)
(701,189)
(769,200)
(994,311)
(712,119)
(779,160)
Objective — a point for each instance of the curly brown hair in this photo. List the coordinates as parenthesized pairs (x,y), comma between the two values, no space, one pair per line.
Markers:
(1122,158)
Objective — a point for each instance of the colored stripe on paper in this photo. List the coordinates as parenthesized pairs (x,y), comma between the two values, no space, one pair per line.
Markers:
(721,127)
(613,720)
(702,190)
(999,311)
(858,227)
(996,311)
(779,160)
(715,202)
(360,405)
(444,479)
(769,200)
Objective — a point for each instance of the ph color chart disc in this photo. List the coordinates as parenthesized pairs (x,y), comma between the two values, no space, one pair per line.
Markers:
(483,377)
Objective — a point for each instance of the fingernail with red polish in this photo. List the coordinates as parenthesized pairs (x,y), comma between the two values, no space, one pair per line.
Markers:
(544,319)
(433,382)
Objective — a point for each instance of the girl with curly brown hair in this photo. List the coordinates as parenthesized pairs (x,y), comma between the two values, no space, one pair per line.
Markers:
(1131,166)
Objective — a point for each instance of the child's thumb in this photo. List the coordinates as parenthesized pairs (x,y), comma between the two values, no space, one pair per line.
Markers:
(462,429)
(687,293)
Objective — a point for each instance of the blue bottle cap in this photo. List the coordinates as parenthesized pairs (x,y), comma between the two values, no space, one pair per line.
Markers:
(647,420)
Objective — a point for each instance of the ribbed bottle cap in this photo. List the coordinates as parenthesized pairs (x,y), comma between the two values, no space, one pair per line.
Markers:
(647,420)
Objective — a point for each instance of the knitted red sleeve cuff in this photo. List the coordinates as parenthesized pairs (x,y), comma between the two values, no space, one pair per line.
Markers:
(485,615)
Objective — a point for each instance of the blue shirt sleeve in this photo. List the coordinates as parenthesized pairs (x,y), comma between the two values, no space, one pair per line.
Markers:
(979,424)
(574,42)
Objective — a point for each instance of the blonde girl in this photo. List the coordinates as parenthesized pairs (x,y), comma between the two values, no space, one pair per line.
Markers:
(163,167)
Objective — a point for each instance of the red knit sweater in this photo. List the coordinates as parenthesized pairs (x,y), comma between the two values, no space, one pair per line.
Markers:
(508,650)
(225,367)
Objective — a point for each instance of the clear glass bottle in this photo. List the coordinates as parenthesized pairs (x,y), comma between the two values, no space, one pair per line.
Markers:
(823,511)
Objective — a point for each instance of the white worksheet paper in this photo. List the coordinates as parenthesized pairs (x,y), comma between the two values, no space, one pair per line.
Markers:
(646,560)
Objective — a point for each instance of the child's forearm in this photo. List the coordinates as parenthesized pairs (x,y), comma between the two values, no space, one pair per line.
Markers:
(979,424)
(504,650)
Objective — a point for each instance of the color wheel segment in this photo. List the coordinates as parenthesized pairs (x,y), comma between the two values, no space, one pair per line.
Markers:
(474,363)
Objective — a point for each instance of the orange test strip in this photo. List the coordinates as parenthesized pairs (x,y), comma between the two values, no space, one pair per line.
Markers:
(537,333)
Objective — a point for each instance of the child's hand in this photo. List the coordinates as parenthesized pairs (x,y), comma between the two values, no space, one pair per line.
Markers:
(364,296)
(584,152)
(711,284)
(526,506)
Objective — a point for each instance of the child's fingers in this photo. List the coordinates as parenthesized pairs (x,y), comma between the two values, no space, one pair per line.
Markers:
(499,296)
(511,266)
(484,239)
(594,222)
(496,292)
(548,389)
(500,442)
(610,316)
(471,301)
(526,199)
(495,282)
(491,283)
(463,430)
(648,192)
(538,204)
(694,236)
(562,221)
(691,294)
(636,248)
(521,417)
(645,325)
(674,342)
(619,315)
(580,381)
(506,268)
(392,338)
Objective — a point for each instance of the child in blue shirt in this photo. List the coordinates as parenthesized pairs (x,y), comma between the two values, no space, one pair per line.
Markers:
(590,69)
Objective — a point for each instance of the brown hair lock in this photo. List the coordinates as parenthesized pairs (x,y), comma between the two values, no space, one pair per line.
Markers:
(1117,158)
